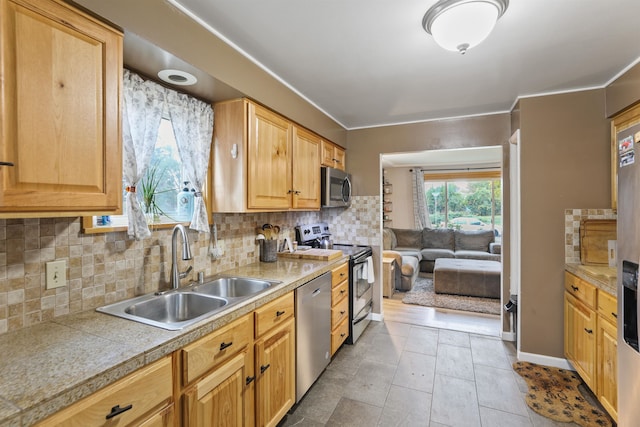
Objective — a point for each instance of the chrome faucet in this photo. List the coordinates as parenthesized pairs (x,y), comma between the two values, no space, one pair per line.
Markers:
(186,255)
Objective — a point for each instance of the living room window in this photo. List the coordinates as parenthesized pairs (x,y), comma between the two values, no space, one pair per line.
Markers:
(465,201)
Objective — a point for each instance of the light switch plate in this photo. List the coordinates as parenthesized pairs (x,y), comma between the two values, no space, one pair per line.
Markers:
(56,274)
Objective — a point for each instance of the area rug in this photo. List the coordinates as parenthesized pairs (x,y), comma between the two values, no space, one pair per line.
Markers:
(554,393)
(423,294)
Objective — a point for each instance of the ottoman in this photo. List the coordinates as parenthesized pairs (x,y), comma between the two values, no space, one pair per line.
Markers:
(476,278)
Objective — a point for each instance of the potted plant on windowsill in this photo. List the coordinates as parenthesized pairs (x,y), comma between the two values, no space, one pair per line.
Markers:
(150,184)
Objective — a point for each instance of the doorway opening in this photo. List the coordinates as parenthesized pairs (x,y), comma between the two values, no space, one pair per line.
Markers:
(461,190)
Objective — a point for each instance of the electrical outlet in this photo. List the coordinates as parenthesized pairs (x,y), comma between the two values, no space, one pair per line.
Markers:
(56,274)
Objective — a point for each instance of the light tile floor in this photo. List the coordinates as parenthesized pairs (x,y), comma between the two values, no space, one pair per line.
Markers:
(399,374)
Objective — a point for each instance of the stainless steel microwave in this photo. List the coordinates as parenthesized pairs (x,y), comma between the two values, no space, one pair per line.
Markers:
(336,187)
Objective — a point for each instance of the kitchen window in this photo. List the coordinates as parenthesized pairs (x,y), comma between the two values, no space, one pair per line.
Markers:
(164,195)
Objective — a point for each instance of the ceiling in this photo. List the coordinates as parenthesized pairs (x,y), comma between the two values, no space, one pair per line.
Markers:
(368,63)
(458,159)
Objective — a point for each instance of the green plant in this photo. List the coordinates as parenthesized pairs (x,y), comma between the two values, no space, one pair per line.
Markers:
(150,184)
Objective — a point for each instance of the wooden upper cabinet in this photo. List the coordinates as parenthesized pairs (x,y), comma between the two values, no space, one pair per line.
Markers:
(60,87)
(333,155)
(269,159)
(262,161)
(306,161)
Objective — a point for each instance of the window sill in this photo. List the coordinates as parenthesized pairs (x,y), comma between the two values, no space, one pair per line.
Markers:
(89,228)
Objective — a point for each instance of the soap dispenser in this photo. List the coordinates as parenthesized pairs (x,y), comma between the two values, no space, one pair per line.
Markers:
(185,203)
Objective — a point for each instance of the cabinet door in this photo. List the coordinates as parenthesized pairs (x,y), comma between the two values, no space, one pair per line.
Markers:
(608,366)
(340,158)
(326,157)
(269,160)
(580,338)
(275,372)
(59,110)
(221,398)
(306,170)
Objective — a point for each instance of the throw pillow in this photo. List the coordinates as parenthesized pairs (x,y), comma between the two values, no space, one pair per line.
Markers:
(473,240)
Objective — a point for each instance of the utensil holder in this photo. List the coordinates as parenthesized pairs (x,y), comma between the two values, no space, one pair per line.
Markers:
(268,250)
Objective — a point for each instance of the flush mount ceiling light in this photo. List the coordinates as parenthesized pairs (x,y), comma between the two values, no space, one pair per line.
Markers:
(177,77)
(459,25)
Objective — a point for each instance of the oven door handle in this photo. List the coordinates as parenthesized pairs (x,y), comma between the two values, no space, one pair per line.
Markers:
(364,316)
(363,261)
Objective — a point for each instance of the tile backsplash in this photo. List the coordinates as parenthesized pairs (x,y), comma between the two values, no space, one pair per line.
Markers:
(105,268)
(572,218)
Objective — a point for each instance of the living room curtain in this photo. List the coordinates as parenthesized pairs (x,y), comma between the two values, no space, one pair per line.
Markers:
(420,212)
(141,116)
(192,122)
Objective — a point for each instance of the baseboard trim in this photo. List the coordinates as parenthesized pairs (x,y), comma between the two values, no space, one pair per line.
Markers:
(508,336)
(377,316)
(557,362)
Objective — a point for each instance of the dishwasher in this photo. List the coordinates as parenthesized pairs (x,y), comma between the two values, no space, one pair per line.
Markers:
(313,332)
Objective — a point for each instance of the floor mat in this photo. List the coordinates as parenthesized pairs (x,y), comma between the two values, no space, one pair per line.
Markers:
(554,393)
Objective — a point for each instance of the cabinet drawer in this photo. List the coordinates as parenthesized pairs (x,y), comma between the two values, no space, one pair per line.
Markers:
(339,292)
(608,306)
(582,290)
(339,312)
(339,335)
(143,391)
(219,346)
(339,274)
(273,314)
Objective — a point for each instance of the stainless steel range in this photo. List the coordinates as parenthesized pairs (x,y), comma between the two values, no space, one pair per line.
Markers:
(360,278)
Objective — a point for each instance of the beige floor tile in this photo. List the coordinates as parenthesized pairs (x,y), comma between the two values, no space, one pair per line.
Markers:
(415,371)
(489,352)
(371,383)
(498,389)
(455,361)
(460,339)
(422,340)
(353,413)
(494,418)
(454,402)
(386,349)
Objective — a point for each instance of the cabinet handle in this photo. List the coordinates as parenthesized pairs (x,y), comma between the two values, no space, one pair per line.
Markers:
(575,288)
(225,345)
(614,315)
(6,164)
(290,191)
(296,192)
(279,313)
(342,335)
(342,312)
(343,291)
(343,274)
(264,367)
(117,410)
(249,380)
(589,331)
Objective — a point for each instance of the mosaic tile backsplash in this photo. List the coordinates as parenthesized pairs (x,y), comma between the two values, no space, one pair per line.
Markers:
(105,268)
(572,218)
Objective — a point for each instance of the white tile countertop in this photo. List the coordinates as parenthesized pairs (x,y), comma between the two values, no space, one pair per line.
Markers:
(49,366)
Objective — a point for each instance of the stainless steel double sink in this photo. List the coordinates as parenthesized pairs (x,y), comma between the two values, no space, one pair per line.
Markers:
(177,309)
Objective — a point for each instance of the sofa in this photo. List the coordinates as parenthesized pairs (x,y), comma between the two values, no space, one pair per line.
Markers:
(428,244)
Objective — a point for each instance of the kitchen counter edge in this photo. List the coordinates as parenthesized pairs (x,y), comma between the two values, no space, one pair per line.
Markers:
(603,277)
(155,344)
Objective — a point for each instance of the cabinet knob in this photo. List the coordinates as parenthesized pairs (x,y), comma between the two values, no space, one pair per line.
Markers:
(117,410)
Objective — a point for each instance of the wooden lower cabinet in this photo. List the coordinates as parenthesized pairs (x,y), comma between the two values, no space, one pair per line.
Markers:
(580,338)
(221,398)
(590,338)
(339,306)
(275,353)
(144,397)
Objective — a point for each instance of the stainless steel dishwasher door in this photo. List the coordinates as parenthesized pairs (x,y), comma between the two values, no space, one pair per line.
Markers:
(313,332)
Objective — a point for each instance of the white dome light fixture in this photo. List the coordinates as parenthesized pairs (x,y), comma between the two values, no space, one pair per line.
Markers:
(459,25)
(177,77)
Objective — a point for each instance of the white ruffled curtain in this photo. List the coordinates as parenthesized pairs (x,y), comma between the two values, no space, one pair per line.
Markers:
(420,212)
(192,122)
(141,116)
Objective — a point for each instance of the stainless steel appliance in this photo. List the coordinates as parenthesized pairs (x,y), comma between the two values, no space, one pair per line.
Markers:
(360,277)
(335,187)
(313,332)
(628,247)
